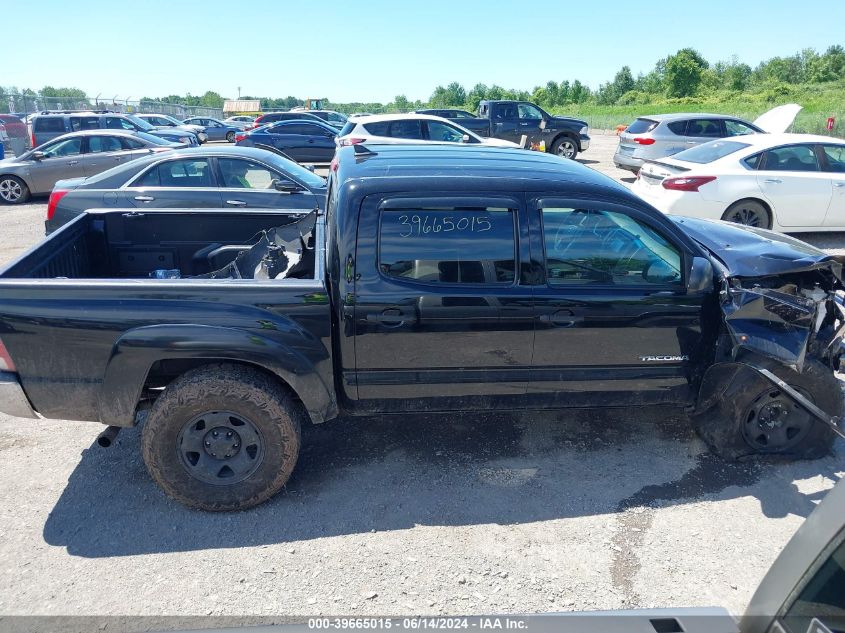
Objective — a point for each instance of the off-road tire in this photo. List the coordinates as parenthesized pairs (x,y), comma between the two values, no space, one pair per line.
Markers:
(272,410)
(721,427)
(557,147)
(14,190)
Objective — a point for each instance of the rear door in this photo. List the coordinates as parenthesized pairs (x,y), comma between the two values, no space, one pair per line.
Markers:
(791,179)
(292,139)
(441,319)
(504,122)
(62,159)
(251,184)
(699,131)
(101,153)
(182,182)
(614,323)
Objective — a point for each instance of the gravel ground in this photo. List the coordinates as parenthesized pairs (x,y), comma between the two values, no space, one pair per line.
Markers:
(472,514)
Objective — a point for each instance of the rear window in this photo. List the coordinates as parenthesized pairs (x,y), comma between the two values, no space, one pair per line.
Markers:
(708,152)
(641,126)
(347,129)
(454,246)
(49,124)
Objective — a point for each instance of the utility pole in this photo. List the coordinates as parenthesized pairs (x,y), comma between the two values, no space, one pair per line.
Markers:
(239,93)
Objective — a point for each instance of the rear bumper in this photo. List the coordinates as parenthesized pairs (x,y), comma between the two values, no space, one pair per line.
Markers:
(623,161)
(13,400)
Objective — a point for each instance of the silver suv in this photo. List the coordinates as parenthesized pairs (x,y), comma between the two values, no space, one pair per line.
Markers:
(661,135)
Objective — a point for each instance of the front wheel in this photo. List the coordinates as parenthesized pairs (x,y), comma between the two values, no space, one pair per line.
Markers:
(749,213)
(565,147)
(222,437)
(230,137)
(756,417)
(13,190)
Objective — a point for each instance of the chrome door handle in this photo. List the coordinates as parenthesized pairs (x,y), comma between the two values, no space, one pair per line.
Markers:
(839,184)
(144,198)
(773,180)
(236,203)
(73,162)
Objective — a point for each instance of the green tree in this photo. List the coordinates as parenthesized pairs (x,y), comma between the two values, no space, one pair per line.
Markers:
(684,70)
(401,103)
(455,95)
(475,96)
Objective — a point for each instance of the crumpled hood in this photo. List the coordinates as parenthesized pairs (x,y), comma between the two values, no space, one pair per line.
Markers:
(750,252)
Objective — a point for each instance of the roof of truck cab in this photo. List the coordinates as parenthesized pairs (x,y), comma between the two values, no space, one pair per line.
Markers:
(467,162)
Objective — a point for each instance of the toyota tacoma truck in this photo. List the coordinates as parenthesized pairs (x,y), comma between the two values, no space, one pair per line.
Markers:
(437,280)
(513,120)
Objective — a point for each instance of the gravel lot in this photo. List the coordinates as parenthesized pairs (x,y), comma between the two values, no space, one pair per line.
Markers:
(472,514)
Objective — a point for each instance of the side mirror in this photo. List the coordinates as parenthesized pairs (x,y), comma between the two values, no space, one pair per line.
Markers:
(285,186)
(659,272)
(465,138)
(543,124)
(38,156)
(700,276)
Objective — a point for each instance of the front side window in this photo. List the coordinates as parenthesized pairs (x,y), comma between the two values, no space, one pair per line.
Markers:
(711,128)
(528,111)
(822,598)
(454,246)
(97,144)
(791,158)
(131,143)
(245,174)
(738,128)
(118,123)
(68,147)
(178,173)
(438,131)
(604,247)
(835,155)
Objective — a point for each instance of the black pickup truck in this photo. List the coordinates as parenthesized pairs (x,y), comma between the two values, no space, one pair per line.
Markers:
(439,279)
(511,120)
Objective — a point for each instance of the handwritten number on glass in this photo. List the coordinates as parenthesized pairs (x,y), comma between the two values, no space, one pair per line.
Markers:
(427,224)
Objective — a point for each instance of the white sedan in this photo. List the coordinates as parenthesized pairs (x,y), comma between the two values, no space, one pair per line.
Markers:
(785,182)
(394,129)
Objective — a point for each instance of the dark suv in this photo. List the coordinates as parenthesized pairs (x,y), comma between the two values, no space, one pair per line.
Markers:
(49,125)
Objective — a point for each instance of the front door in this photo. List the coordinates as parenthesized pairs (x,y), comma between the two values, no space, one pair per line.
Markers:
(251,184)
(62,159)
(614,323)
(530,124)
(441,318)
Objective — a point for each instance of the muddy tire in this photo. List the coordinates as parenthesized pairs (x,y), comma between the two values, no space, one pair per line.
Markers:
(222,437)
(756,418)
(565,147)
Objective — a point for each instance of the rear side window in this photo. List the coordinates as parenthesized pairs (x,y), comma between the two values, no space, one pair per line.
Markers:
(117,123)
(49,124)
(791,158)
(97,144)
(378,129)
(178,173)
(84,123)
(678,127)
(410,129)
(641,126)
(452,246)
(711,128)
(753,162)
(708,152)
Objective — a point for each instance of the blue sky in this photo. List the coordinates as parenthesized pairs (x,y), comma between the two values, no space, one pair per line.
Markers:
(372,50)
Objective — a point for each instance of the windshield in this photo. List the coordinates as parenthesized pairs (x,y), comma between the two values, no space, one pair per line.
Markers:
(708,152)
(144,125)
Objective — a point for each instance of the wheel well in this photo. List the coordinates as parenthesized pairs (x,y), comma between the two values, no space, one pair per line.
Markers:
(759,201)
(165,371)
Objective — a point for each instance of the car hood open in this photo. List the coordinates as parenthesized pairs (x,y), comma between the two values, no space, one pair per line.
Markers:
(777,120)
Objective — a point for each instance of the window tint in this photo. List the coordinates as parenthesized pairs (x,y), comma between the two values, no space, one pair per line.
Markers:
(705,127)
(406,129)
(68,147)
(822,598)
(791,158)
(528,111)
(378,129)
(459,246)
(738,128)
(131,143)
(178,173)
(505,111)
(244,174)
(294,128)
(678,127)
(835,155)
(438,131)
(708,152)
(49,124)
(84,123)
(753,162)
(604,247)
(640,126)
(98,144)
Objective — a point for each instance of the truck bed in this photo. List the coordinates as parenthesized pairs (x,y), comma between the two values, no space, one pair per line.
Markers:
(72,305)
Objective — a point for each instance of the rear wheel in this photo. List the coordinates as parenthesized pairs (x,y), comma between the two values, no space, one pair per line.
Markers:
(756,417)
(230,137)
(222,437)
(13,190)
(749,213)
(565,147)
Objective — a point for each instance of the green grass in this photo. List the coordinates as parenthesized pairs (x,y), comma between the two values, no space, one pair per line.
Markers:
(819,101)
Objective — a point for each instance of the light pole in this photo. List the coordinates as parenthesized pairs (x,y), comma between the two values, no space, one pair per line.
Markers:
(239,93)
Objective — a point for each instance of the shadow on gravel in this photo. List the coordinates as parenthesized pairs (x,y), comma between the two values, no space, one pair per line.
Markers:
(375,474)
